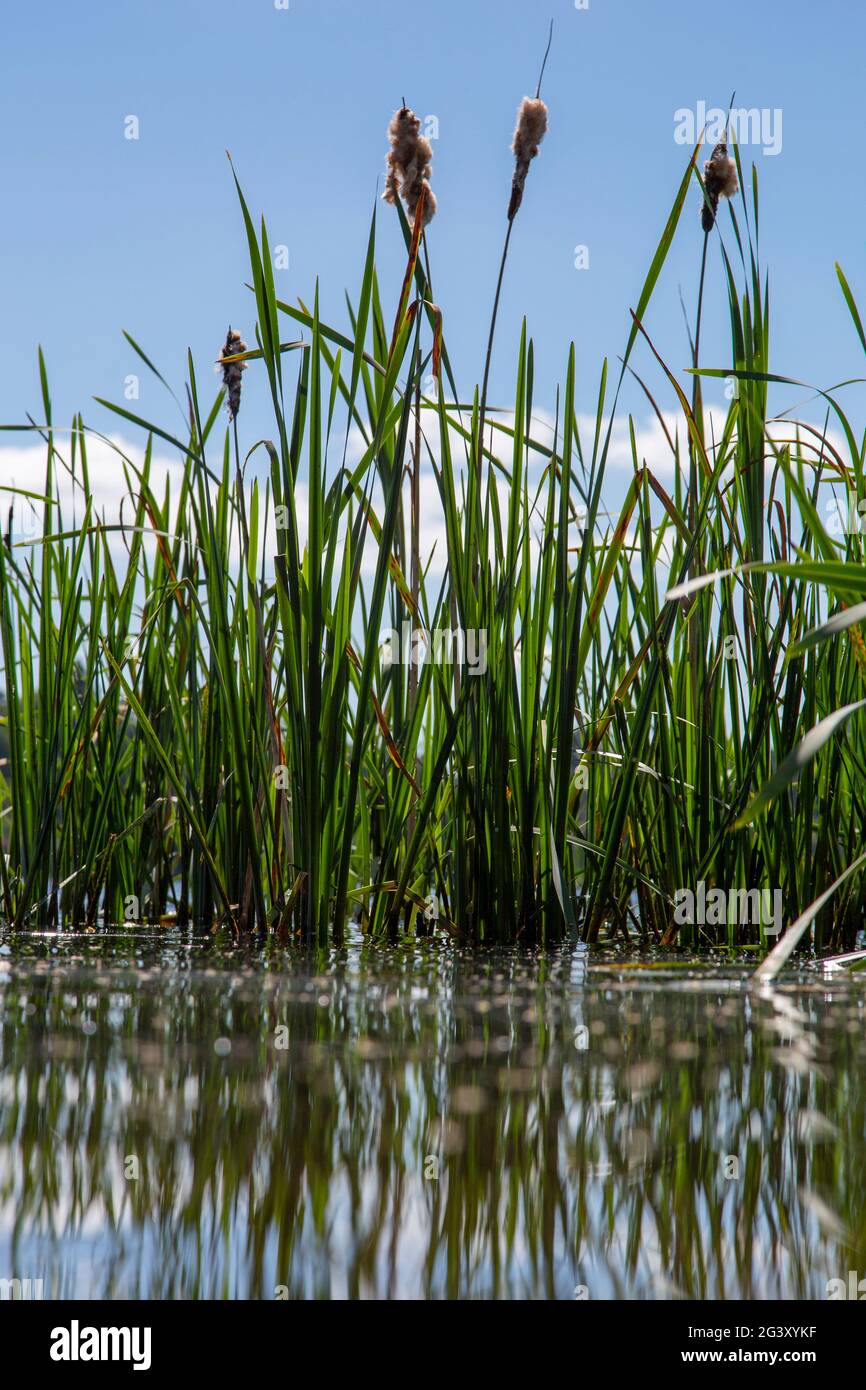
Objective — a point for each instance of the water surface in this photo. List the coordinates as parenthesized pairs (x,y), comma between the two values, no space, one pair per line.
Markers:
(181,1118)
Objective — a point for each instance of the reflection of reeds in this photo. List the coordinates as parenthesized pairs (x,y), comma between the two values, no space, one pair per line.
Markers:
(304,1165)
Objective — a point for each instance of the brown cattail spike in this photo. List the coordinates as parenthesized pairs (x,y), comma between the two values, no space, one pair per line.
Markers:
(409,164)
(232,371)
(720,181)
(528,135)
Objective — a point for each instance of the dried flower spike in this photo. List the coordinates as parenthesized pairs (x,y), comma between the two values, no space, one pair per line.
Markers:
(409,165)
(720,181)
(528,135)
(232,371)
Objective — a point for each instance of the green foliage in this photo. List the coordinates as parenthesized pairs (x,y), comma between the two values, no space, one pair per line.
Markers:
(215,734)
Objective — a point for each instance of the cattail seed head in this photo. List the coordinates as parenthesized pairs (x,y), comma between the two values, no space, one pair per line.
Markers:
(232,371)
(720,181)
(528,135)
(409,164)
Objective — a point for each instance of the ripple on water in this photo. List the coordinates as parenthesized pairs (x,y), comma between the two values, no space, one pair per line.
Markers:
(184,1117)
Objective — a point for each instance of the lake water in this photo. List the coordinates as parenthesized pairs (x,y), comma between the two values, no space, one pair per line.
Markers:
(182,1118)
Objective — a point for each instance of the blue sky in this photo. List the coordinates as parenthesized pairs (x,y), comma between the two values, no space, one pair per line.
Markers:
(102,233)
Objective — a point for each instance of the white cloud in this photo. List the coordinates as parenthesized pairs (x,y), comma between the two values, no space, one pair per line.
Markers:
(22,465)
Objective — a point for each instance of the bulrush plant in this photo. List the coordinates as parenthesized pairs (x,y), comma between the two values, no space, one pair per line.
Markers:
(198,722)
(232,366)
(529,132)
(720,181)
(409,165)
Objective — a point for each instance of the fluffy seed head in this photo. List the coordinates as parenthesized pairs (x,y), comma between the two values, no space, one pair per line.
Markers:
(232,371)
(528,134)
(409,163)
(720,181)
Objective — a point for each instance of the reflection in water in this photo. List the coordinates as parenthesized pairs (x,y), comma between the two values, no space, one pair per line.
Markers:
(184,1119)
